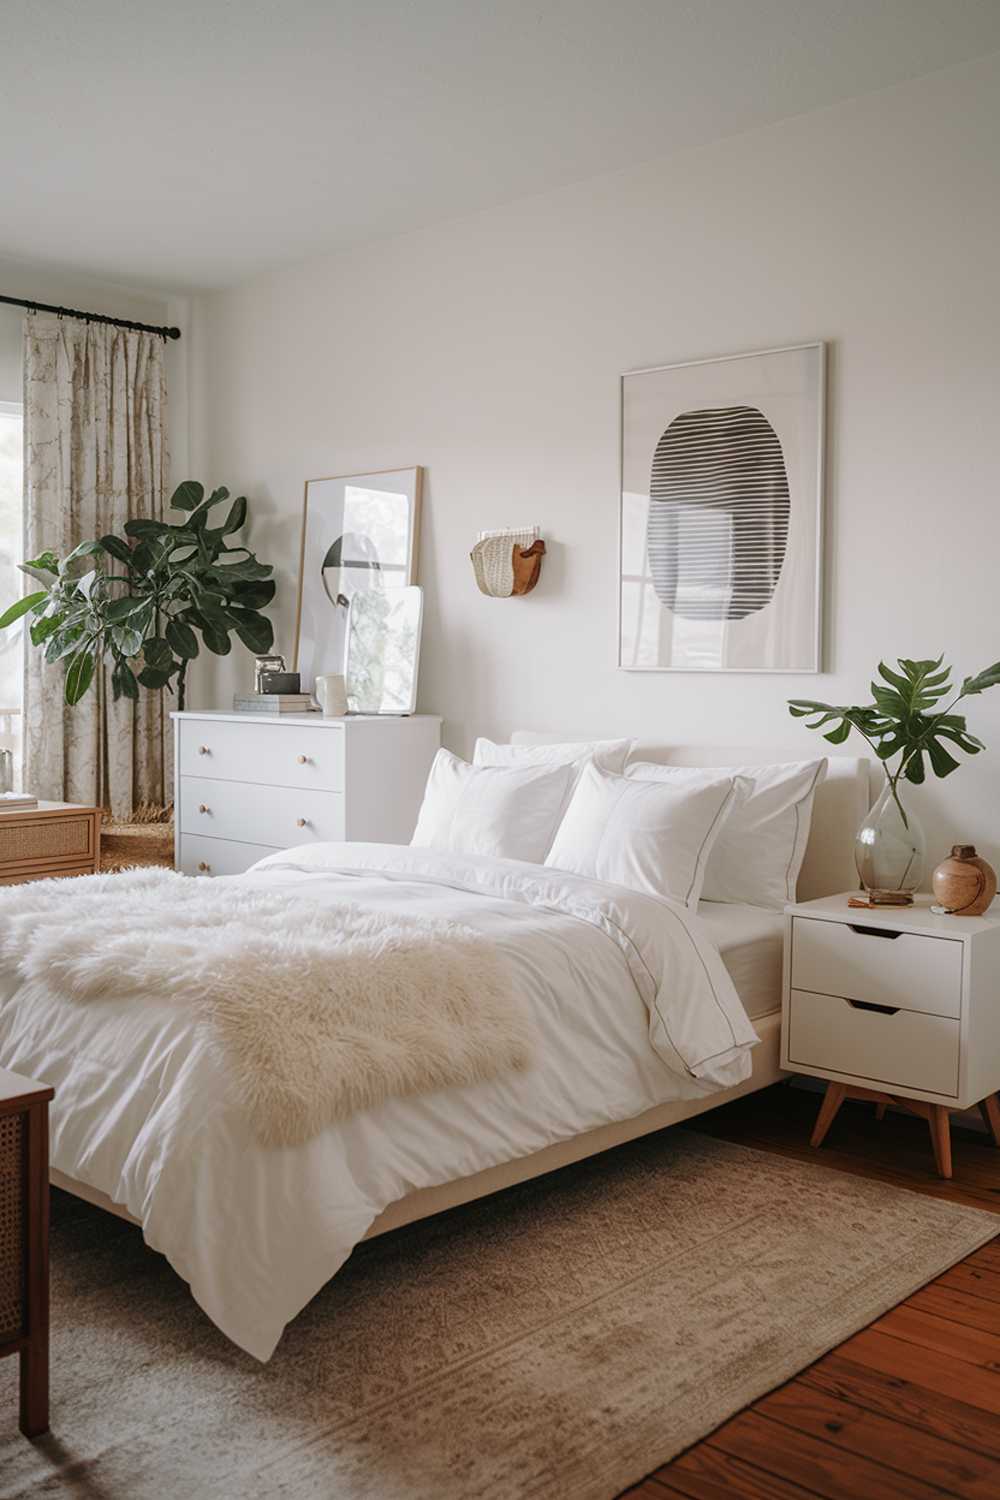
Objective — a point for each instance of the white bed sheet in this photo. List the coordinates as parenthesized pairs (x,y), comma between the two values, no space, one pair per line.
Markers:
(751,942)
(143,1107)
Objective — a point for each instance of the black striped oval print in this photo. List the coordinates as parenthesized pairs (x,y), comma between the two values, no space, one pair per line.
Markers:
(718,514)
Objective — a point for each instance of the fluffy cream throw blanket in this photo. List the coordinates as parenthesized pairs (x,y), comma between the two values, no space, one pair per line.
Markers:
(323,1009)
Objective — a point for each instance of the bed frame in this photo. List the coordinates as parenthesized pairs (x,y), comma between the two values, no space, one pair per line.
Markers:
(841,802)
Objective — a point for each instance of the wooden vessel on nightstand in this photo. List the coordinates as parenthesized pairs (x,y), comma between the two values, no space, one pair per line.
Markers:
(54,838)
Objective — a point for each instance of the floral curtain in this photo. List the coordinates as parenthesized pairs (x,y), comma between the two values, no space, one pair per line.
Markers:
(94,457)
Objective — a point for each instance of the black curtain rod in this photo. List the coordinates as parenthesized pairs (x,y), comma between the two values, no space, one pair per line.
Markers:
(74,312)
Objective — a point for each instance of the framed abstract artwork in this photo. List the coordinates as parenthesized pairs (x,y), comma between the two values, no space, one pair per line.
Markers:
(360,532)
(721,529)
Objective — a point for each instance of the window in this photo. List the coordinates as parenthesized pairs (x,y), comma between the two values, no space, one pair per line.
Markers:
(11,580)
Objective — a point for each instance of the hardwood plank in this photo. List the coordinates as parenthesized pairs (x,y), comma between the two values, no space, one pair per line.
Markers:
(987,1257)
(960,1306)
(951,1377)
(974,1345)
(817,1467)
(968,1278)
(906,1450)
(707,1473)
(906,1402)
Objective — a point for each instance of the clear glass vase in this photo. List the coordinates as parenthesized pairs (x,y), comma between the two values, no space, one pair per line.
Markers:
(889,852)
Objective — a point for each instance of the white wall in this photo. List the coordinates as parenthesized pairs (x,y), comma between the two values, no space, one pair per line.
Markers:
(489,350)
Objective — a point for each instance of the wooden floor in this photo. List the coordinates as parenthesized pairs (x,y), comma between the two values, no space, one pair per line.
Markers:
(909,1409)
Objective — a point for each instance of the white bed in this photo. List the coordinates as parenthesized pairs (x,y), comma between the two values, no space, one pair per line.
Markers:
(142,1122)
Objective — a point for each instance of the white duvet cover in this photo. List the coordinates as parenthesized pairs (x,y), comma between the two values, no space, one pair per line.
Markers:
(633,1005)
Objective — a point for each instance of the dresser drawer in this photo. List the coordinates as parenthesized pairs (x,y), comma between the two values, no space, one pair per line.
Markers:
(904,970)
(905,1047)
(295,755)
(219,856)
(279,816)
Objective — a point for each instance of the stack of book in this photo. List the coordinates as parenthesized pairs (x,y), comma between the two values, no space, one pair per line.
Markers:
(16,801)
(273,703)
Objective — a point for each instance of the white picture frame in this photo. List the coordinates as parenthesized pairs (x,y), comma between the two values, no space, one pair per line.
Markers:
(721,513)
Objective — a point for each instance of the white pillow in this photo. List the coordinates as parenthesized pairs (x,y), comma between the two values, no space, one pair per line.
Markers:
(611,755)
(509,814)
(758,855)
(644,834)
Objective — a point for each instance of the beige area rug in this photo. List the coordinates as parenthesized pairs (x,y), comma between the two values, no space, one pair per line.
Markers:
(560,1340)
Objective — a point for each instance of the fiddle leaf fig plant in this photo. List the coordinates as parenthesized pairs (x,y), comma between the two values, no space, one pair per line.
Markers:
(904,720)
(148,599)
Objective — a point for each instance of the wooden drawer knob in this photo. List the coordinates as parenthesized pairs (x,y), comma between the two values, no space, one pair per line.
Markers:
(204,750)
(204,865)
(203,807)
(302,822)
(303,760)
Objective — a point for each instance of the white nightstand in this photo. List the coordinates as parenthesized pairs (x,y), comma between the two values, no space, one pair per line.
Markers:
(895,1005)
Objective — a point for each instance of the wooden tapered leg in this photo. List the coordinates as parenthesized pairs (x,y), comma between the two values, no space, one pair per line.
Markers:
(989,1108)
(832,1100)
(940,1124)
(880,1110)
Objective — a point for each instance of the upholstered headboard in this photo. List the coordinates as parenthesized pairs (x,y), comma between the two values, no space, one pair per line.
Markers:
(841,801)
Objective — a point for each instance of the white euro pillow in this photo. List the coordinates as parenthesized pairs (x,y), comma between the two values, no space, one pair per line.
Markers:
(609,754)
(506,813)
(758,855)
(647,835)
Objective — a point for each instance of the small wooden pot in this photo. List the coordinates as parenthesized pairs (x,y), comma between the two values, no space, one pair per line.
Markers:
(963,883)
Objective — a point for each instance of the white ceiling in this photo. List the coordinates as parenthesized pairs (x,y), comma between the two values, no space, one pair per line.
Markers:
(194,142)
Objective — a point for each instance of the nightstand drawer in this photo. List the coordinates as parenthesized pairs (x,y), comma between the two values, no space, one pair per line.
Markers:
(903,969)
(903,1047)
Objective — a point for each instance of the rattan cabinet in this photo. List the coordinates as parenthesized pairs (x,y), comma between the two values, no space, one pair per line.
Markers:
(24,1240)
(54,838)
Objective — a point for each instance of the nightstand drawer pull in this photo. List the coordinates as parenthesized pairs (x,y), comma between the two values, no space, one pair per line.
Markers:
(883,1010)
(882,932)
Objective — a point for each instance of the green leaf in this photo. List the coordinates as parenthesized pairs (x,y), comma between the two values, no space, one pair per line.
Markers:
(915,768)
(156,651)
(85,549)
(942,763)
(121,609)
(21,607)
(123,683)
(254,630)
(80,676)
(116,548)
(62,642)
(126,640)
(182,638)
(217,641)
(144,529)
(236,517)
(41,630)
(983,680)
(46,562)
(242,572)
(155,677)
(187,495)
(255,595)
(839,735)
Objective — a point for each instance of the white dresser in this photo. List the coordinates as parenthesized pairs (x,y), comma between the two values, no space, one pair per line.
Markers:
(248,784)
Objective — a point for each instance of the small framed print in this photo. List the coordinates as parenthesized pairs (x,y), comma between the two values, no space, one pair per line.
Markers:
(722,466)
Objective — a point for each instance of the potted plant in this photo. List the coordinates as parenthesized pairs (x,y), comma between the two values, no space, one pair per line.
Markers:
(908,732)
(146,598)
